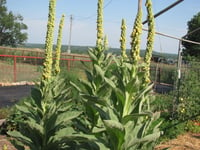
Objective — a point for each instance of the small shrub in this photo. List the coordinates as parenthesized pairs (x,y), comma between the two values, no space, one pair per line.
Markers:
(193,125)
(189,99)
(172,128)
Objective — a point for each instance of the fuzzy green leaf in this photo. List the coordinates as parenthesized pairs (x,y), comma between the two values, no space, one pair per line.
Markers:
(116,131)
(20,137)
(133,117)
(37,96)
(148,138)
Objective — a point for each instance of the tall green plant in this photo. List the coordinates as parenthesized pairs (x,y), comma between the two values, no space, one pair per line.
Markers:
(117,108)
(47,118)
(96,82)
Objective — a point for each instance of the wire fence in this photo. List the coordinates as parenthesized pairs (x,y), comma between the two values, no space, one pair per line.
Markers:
(19,64)
(29,68)
(25,64)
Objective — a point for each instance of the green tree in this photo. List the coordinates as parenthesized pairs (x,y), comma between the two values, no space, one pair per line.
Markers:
(193,34)
(11,27)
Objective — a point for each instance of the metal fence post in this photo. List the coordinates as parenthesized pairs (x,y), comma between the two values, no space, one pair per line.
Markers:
(159,74)
(14,69)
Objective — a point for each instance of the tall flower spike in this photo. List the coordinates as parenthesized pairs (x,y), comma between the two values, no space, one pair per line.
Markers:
(58,46)
(150,41)
(46,75)
(99,41)
(123,40)
(136,35)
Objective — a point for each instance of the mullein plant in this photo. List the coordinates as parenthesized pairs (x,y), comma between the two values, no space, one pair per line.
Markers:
(150,41)
(47,117)
(58,46)
(97,79)
(116,107)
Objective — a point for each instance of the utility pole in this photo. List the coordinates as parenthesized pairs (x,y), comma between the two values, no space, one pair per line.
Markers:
(70,35)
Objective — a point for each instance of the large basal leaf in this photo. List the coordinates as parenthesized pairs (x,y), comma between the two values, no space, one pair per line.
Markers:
(61,133)
(37,96)
(25,140)
(34,126)
(116,131)
(94,99)
(67,116)
(18,145)
(133,117)
(24,110)
(149,138)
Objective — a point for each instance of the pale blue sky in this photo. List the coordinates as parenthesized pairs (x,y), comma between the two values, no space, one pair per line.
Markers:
(173,22)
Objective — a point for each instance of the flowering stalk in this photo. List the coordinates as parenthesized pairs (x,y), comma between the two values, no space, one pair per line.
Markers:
(99,40)
(136,35)
(58,46)
(123,40)
(150,41)
(46,75)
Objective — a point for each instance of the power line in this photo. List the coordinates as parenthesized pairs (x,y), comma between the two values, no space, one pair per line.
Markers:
(106,5)
(94,15)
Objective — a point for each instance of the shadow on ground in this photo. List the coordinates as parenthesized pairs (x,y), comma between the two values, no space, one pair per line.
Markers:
(9,95)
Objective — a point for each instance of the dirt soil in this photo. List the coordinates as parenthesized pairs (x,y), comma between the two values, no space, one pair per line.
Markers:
(183,142)
(4,142)
(187,141)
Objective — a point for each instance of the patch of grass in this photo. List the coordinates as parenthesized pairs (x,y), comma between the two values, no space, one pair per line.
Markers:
(5,112)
